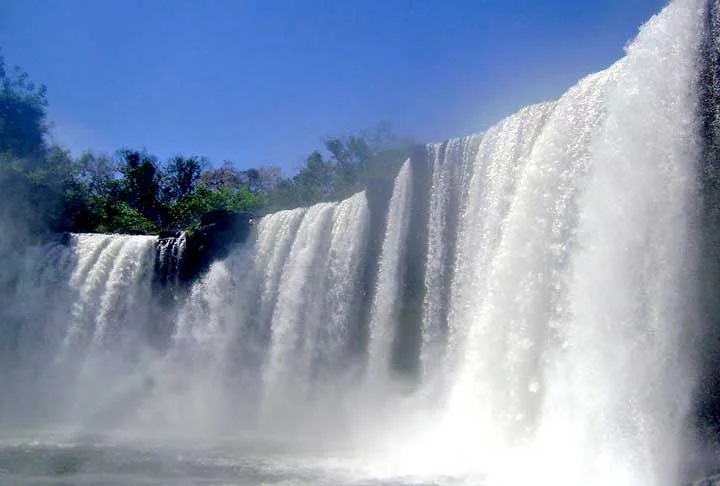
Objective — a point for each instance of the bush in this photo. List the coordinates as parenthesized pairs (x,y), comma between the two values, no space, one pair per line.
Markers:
(125,219)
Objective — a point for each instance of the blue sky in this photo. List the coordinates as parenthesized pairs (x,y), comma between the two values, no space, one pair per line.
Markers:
(262,82)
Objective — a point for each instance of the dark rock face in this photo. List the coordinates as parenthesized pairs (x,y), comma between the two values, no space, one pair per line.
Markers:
(169,234)
(65,239)
(707,400)
(180,258)
(135,231)
(708,481)
(218,233)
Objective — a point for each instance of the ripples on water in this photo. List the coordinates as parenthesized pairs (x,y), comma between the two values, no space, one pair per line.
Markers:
(97,461)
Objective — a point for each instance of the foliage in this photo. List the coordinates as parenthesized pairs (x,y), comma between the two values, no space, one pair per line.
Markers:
(355,162)
(132,191)
(190,207)
(33,175)
(181,175)
(140,183)
(123,218)
(22,115)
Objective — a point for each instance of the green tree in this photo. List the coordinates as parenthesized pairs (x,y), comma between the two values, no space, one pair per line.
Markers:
(314,182)
(140,184)
(350,157)
(123,218)
(99,173)
(91,197)
(188,209)
(23,125)
(181,175)
(34,177)
(355,162)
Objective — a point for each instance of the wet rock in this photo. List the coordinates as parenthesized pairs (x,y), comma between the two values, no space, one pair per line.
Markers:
(218,233)
(169,234)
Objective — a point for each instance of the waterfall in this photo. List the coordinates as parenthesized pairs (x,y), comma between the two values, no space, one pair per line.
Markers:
(293,317)
(540,278)
(170,252)
(344,272)
(390,274)
(450,166)
(572,301)
(111,276)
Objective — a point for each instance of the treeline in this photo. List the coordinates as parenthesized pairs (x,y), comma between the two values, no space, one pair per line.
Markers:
(132,191)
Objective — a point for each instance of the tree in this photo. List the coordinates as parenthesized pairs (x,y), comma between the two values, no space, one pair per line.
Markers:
(181,175)
(284,195)
(314,182)
(141,183)
(99,173)
(349,156)
(22,115)
(42,186)
(91,199)
(269,177)
(188,209)
(33,175)
(224,176)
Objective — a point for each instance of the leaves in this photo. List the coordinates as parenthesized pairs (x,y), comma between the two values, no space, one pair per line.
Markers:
(23,125)
(133,192)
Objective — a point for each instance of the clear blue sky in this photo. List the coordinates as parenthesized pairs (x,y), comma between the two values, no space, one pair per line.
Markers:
(263,81)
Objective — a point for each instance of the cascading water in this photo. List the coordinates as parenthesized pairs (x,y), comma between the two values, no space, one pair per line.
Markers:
(571,305)
(528,316)
(80,305)
(168,263)
(384,311)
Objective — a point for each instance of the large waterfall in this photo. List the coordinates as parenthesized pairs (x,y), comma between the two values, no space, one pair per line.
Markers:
(522,307)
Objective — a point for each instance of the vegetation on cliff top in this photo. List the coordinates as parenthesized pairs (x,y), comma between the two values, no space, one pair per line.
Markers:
(132,191)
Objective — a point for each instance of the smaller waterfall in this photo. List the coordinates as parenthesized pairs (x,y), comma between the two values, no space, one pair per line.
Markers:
(341,300)
(317,301)
(169,258)
(293,316)
(110,280)
(277,317)
(451,165)
(384,310)
(79,316)
(128,278)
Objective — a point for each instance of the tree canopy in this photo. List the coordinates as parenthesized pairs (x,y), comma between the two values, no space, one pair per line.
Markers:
(133,191)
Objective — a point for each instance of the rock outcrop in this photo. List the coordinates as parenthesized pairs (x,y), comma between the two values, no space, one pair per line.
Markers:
(182,256)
